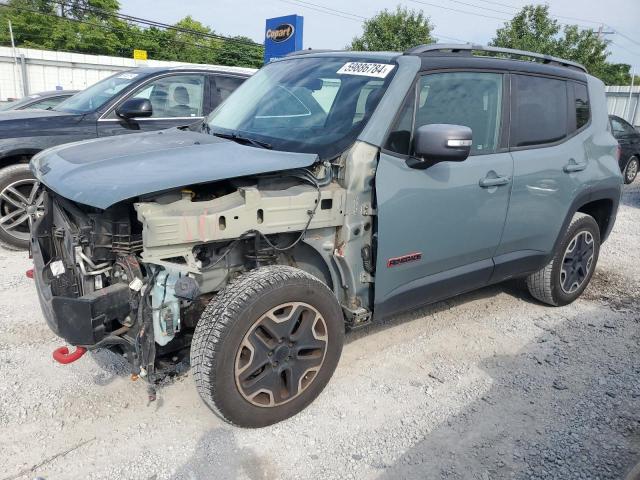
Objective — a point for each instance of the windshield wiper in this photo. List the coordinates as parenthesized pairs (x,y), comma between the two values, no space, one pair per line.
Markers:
(241,139)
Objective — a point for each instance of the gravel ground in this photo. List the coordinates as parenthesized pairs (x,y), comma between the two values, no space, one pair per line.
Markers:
(488,385)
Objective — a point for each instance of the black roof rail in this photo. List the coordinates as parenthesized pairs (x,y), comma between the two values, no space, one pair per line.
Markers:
(469,48)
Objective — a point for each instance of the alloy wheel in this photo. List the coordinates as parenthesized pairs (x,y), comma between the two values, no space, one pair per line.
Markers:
(577,261)
(632,170)
(281,354)
(21,202)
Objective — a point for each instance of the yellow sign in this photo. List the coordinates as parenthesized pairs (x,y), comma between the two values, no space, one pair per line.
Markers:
(139,54)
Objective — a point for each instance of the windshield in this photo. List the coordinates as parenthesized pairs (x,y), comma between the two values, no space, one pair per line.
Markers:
(9,105)
(98,94)
(311,105)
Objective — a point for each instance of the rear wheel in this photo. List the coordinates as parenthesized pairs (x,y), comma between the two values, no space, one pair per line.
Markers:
(631,170)
(266,346)
(568,273)
(21,201)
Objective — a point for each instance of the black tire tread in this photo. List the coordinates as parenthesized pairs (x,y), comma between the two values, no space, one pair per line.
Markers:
(540,283)
(221,312)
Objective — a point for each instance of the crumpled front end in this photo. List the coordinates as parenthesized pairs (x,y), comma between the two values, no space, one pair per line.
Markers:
(86,275)
(138,274)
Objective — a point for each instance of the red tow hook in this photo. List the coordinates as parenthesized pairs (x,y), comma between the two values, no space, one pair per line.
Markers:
(62,355)
(30,273)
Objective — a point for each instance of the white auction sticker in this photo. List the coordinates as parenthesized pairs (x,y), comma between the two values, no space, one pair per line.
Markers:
(378,70)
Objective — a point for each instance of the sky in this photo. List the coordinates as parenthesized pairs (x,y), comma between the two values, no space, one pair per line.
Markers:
(333,23)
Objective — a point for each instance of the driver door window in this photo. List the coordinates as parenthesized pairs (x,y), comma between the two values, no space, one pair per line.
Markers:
(472,99)
(176,96)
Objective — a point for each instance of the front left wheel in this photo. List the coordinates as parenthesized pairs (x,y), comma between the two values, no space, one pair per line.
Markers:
(266,346)
(21,202)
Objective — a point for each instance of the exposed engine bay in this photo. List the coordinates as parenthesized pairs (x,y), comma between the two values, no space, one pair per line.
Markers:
(136,276)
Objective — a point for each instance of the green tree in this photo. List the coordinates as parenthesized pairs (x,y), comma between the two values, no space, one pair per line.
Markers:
(534,30)
(394,31)
(192,44)
(240,52)
(92,26)
(75,26)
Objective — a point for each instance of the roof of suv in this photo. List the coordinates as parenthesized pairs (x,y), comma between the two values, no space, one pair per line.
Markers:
(436,56)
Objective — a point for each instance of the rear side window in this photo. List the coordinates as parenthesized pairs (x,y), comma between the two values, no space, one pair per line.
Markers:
(583,109)
(538,110)
(224,86)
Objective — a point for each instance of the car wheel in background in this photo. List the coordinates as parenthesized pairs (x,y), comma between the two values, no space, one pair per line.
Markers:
(21,201)
(568,273)
(631,170)
(266,346)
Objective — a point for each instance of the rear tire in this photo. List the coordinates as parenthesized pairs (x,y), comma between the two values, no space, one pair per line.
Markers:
(568,273)
(631,170)
(19,204)
(266,346)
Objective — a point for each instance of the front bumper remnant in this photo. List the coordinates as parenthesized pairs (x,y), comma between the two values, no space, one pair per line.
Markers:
(83,320)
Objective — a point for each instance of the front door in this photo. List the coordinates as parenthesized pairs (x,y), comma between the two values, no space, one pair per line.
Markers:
(177,100)
(438,228)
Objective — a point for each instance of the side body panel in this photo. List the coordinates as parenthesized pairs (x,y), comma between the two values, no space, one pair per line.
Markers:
(443,215)
(553,182)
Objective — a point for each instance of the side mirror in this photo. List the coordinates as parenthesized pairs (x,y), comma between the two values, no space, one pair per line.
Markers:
(135,108)
(440,143)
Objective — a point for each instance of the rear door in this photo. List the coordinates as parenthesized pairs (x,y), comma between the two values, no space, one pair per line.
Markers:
(438,228)
(177,100)
(548,141)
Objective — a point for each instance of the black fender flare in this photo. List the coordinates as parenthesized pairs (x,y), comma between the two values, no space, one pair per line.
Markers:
(610,192)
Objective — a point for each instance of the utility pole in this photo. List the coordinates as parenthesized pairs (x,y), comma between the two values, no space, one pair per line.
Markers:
(628,104)
(602,32)
(15,59)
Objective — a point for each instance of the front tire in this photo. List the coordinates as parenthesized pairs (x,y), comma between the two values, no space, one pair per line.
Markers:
(20,203)
(266,346)
(568,273)
(631,170)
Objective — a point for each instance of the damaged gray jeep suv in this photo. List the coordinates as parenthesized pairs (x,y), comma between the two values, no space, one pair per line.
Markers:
(330,189)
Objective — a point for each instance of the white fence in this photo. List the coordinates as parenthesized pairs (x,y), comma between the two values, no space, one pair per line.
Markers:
(31,71)
(623,102)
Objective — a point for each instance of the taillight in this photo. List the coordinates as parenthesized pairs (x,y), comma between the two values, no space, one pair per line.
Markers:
(618,152)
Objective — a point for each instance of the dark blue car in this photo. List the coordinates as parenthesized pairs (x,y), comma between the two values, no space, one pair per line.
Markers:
(138,100)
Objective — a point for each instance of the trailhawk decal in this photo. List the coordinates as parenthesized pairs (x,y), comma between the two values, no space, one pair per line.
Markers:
(412,257)
(378,70)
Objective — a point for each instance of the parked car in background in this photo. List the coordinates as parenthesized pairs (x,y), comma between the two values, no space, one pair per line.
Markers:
(331,188)
(629,139)
(42,100)
(138,100)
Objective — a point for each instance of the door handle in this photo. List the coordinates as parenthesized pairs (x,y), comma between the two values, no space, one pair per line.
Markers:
(489,182)
(572,166)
